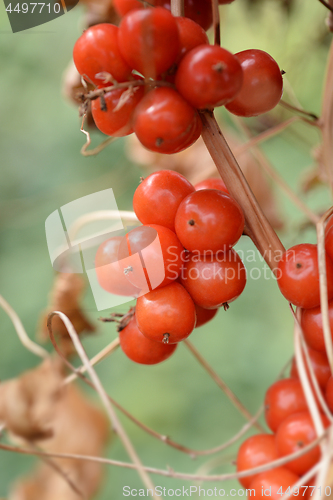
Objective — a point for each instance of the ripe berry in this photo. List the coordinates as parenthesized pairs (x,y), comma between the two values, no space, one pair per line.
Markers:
(282,399)
(312,326)
(256,450)
(97,51)
(166,315)
(211,184)
(191,35)
(151,254)
(164,122)
(209,220)
(149,40)
(109,274)
(140,349)
(203,315)
(273,484)
(116,119)
(262,84)
(298,276)
(213,281)
(295,432)
(157,198)
(209,76)
(122,7)
(320,367)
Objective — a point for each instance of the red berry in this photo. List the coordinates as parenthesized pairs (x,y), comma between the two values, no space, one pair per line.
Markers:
(109,274)
(140,349)
(122,7)
(209,220)
(298,276)
(204,315)
(167,314)
(116,119)
(97,51)
(151,254)
(191,35)
(294,433)
(164,122)
(157,198)
(282,399)
(256,450)
(262,85)
(213,281)
(273,484)
(149,40)
(211,184)
(320,367)
(209,76)
(312,326)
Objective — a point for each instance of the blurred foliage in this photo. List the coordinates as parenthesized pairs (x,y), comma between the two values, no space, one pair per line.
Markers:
(42,169)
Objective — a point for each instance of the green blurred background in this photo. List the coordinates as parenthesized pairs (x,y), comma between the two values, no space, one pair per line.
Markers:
(42,169)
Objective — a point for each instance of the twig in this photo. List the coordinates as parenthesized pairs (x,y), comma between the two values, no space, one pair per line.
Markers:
(177,8)
(323,286)
(53,465)
(326,120)
(257,225)
(228,392)
(327,5)
(178,475)
(99,148)
(22,334)
(101,392)
(216,22)
(286,105)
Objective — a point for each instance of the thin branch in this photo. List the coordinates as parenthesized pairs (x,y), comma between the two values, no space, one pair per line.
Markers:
(216,22)
(22,334)
(177,8)
(101,392)
(256,224)
(323,286)
(313,117)
(179,475)
(99,148)
(327,5)
(228,392)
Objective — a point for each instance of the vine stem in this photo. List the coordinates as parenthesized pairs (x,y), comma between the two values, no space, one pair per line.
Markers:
(103,396)
(257,226)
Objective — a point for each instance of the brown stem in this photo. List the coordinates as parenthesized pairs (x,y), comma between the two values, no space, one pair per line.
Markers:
(286,105)
(216,22)
(256,224)
(327,5)
(326,120)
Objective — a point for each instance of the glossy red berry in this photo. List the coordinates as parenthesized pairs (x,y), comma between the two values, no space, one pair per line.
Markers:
(97,51)
(208,221)
(164,122)
(140,349)
(113,113)
(312,326)
(209,76)
(274,483)
(157,198)
(298,276)
(294,433)
(191,35)
(256,450)
(151,254)
(109,273)
(149,40)
(204,315)
(213,281)
(320,367)
(211,184)
(166,315)
(262,84)
(282,399)
(122,7)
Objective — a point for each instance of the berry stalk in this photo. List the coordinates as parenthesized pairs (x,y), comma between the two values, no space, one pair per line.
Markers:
(257,226)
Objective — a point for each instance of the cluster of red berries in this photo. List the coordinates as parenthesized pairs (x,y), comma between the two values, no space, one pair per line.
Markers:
(164,70)
(286,409)
(179,264)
